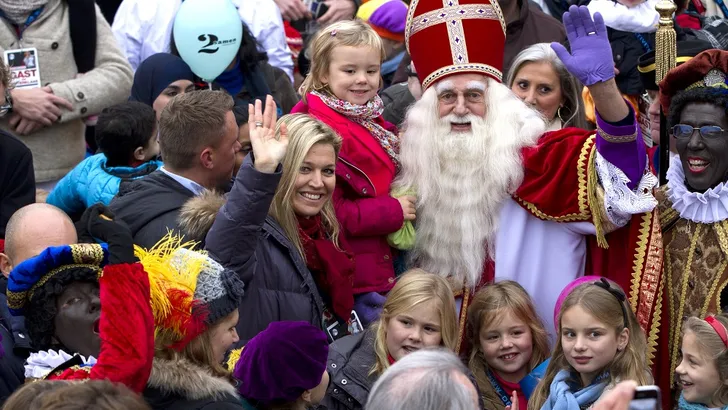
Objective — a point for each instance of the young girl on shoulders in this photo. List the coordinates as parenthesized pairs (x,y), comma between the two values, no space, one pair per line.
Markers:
(600,344)
(419,313)
(342,91)
(508,342)
(703,371)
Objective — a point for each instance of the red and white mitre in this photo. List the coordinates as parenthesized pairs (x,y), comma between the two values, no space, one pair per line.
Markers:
(447,37)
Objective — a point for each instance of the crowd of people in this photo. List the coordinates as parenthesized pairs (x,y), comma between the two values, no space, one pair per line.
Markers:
(373,204)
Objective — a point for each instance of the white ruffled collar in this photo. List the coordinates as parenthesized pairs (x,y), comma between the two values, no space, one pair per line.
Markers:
(704,207)
(40,364)
(642,18)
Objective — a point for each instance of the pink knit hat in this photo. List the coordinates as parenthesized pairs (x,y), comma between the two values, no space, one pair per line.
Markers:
(564,293)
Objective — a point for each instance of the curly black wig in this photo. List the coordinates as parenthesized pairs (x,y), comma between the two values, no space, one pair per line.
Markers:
(712,95)
(41,309)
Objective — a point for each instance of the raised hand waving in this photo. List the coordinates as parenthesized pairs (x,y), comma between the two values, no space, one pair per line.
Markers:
(590,59)
(268,149)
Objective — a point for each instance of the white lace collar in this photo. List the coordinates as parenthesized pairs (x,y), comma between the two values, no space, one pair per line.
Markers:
(40,364)
(642,18)
(704,207)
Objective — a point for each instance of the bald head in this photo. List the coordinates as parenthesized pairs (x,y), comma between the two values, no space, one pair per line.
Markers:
(429,379)
(33,228)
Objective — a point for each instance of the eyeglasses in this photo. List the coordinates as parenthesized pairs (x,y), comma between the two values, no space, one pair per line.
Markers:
(683,131)
(7,106)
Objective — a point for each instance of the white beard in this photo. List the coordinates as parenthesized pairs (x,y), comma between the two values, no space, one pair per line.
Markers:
(463,178)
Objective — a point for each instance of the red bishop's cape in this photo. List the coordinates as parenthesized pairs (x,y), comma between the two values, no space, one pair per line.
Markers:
(561,184)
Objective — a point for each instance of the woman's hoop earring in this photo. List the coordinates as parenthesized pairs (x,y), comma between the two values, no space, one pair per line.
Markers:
(558,114)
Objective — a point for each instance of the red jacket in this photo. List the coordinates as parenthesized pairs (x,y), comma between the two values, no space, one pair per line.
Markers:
(366,214)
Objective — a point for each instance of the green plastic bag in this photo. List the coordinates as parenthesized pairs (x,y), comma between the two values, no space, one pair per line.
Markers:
(404,238)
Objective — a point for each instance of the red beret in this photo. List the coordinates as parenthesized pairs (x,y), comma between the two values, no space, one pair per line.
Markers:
(707,69)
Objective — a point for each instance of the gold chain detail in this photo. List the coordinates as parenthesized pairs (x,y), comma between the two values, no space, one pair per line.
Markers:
(639,260)
(683,290)
(463,317)
(655,330)
(617,139)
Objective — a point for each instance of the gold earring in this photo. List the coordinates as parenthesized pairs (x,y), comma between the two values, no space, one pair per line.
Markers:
(558,114)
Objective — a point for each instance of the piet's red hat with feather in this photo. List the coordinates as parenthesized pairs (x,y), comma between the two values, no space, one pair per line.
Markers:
(447,37)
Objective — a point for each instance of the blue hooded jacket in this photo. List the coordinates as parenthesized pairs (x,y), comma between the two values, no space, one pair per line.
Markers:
(91,182)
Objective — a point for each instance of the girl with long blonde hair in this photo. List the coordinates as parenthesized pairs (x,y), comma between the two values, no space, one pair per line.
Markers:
(600,343)
(278,229)
(509,340)
(419,313)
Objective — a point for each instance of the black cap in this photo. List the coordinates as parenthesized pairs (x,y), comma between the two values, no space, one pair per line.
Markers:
(685,51)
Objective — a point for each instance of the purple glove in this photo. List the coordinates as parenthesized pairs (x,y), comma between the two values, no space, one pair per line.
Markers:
(590,59)
(368,306)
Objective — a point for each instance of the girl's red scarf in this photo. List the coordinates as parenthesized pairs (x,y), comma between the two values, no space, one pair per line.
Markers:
(332,268)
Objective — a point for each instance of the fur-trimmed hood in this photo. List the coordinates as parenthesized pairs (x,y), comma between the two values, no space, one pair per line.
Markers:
(197,215)
(182,379)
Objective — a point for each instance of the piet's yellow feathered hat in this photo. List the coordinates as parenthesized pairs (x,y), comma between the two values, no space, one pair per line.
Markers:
(189,290)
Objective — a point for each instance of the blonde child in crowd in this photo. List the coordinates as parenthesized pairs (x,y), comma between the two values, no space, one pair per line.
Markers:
(419,313)
(600,344)
(508,342)
(703,371)
(341,90)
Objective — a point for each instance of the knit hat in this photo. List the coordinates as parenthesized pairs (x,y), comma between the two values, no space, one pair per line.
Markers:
(189,290)
(685,51)
(282,362)
(218,289)
(386,17)
(34,284)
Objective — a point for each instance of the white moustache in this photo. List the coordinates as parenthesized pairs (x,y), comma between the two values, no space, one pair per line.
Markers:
(458,119)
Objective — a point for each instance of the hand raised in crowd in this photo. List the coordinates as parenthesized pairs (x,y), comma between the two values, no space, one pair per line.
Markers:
(39,105)
(408,207)
(293,10)
(267,149)
(590,59)
(338,10)
(100,225)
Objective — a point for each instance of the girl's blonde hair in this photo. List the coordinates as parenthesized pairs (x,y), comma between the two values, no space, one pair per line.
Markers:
(352,33)
(413,288)
(488,307)
(303,133)
(198,351)
(713,349)
(628,364)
